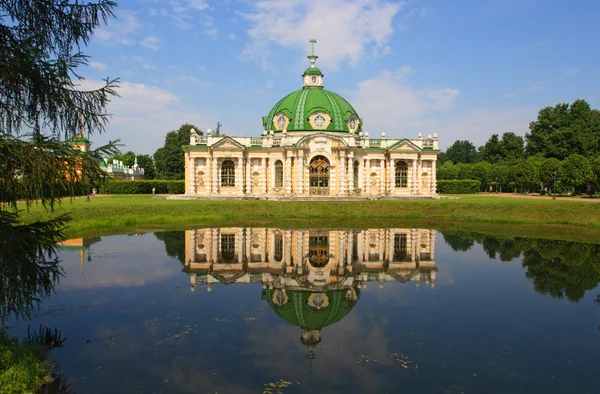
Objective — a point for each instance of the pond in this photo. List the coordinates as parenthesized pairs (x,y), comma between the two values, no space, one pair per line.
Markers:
(248,310)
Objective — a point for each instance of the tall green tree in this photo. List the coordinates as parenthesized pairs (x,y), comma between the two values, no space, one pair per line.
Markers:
(462,152)
(490,152)
(41,108)
(169,158)
(574,171)
(147,163)
(548,170)
(512,147)
(563,130)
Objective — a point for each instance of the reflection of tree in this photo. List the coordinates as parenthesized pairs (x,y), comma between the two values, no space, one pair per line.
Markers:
(557,268)
(563,269)
(29,267)
(174,243)
(458,242)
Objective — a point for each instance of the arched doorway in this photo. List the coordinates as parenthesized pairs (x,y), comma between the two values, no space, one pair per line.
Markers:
(319,176)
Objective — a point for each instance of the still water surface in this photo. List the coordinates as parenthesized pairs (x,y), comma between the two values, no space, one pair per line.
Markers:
(231,310)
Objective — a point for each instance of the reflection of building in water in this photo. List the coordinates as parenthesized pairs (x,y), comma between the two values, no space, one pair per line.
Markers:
(310,278)
(80,245)
(316,259)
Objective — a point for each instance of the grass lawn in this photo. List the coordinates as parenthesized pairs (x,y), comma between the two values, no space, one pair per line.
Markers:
(561,219)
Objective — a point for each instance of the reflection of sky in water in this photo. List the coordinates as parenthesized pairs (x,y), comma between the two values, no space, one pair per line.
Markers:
(135,326)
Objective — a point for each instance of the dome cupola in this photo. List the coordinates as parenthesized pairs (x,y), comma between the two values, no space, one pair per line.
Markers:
(313,108)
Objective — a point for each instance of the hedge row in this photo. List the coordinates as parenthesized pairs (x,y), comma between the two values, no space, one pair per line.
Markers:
(463,186)
(143,187)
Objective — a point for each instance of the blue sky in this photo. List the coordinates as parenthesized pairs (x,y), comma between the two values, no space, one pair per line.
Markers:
(462,69)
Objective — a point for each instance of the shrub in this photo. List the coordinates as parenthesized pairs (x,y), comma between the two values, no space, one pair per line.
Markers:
(143,187)
(463,186)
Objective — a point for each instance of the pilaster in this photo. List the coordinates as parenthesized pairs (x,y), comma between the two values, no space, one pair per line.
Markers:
(342,177)
(288,174)
(300,169)
(263,175)
(350,173)
(215,175)
(239,175)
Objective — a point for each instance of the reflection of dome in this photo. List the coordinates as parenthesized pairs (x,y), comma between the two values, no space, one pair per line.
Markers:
(312,310)
(313,108)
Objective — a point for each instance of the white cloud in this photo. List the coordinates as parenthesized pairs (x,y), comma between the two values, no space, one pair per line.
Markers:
(193,80)
(144,114)
(389,102)
(478,124)
(150,42)
(98,66)
(346,30)
(186,14)
(119,31)
(570,71)
(388,99)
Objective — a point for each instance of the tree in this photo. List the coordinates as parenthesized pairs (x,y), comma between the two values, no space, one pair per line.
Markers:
(511,147)
(128,158)
(41,107)
(147,163)
(169,158)
(547,171)
(490,152)
(574,171)
(563,130)
(462,152)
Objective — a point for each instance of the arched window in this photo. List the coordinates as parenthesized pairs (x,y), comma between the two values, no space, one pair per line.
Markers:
(278,173)
(281,122)
(227,173)
(228,247)
(356,167)
(401,174)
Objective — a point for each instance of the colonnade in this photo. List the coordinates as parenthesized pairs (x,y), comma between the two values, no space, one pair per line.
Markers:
(350,174)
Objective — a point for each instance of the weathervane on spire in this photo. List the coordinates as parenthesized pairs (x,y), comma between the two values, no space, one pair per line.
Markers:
(312,57)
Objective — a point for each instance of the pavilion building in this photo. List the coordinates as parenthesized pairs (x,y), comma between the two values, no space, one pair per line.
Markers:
(312,146)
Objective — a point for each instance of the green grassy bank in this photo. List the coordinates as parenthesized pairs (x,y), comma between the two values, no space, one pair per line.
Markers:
(543,217)
(23,368)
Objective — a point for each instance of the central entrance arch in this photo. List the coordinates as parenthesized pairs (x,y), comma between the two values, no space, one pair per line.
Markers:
(319,176)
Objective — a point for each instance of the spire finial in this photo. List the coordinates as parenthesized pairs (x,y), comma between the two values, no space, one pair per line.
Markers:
(313,42)
(312,57)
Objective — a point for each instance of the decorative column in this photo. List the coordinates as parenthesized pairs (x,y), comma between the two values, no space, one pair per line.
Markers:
(192,185)
(433,177)
(239,176)
(215,245)
(300,170)
(432,245)
(248,175)
(263,175)
(350,173)
(381,182)
(367,176)
(287,248)
(288,174)
(414,177)
(240,243)
(248,245)
(391,177)
(341,251)
(215,175)
(342,177)
(361,170)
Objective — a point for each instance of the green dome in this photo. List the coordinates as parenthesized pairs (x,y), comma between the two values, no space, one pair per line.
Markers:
(297,312)
(299,106)
(312,71)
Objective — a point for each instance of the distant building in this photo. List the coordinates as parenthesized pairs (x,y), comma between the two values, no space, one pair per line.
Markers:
(312,145)
(114,169)
(117,170)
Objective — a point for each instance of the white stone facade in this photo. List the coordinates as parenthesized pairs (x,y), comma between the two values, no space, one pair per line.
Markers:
(311,165)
